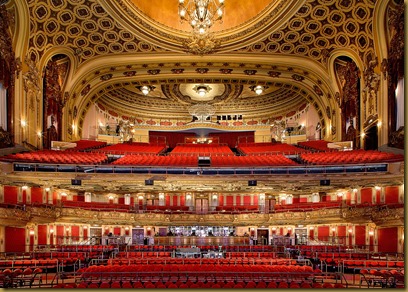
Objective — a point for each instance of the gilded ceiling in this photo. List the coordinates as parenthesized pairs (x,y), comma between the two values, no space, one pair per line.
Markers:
(115,46)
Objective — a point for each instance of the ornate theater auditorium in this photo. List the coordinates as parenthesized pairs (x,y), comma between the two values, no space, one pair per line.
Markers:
(202,143)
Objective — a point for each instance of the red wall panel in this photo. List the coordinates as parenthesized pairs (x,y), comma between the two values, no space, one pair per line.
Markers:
(14,239)
(255,200)
(220,200)
(388,239)
(182,200)
(230,200)
(323,232)
(341,231)
(247,200)
(121,200)
(360,235)
(231,138)
(391,195)
(116,231)
(238,200)
(366,195)
(75,231)
(167,200)
(174,200)
(60,231)
(36,195)
(42,234)
(10,194)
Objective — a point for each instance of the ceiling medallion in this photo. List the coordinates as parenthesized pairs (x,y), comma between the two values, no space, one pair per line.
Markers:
(199,44)
(202,89)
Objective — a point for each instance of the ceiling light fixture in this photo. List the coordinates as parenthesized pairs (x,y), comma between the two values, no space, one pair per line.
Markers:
(202,89)
(201,14)
(145,89)
(258,89)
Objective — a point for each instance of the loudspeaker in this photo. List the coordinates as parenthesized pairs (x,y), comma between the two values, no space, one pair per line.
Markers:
(252,183)
(325,182)
(76,182)
(149,182)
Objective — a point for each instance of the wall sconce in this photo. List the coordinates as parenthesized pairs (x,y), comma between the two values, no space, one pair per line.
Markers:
(215,197)
(371,232)
(311,228)
(110,197)
(333,229)
(140,197)
(47,189)
(273,228)
(39,134)
(32,232)
(23,123)
(126,228)
(24,188)
(289,228)
(340,194)
(51,230)
(377,188)
(85,227)
(350,230)
(63,194)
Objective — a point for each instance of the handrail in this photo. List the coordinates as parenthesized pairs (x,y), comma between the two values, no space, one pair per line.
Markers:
(185,170)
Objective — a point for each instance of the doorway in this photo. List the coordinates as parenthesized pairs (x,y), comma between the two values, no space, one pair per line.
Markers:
(263,236)
(371,138)
(301,234)
(137,236)
(95,234)
(201,206)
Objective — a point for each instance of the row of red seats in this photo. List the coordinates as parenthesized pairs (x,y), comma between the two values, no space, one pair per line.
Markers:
(168,260)
(370,264)
(167,208)
(127,148)
(86,248)
(320,145)
(245,161)
(96,205)
(199,284)
(82,145)
(350,157)
(157,160)
(91,271)
(202,148)
(237,208)
(57,157)
(281,148)
(306,205)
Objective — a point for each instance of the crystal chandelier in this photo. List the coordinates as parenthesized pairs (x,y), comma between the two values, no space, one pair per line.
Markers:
(201,14)
(201,111)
